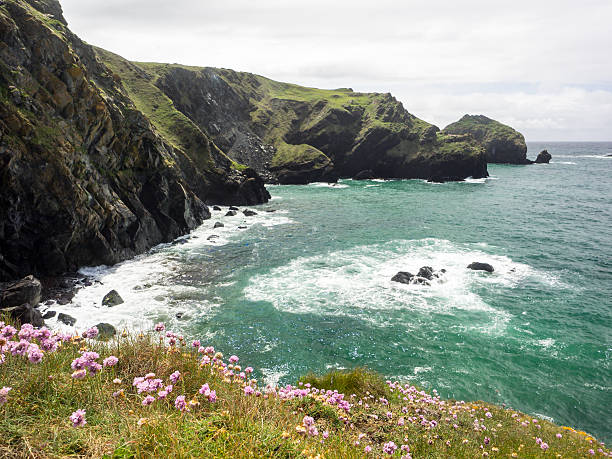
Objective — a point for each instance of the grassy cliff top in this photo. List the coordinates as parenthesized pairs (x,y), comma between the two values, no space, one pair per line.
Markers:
(484,129)
(156,395)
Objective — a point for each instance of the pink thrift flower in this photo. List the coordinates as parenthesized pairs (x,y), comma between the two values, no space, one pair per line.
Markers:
(233,359)
(248,390)
(78,418)
(4,394)
(110,361)
(368,449)
(160,327)
(91,333)
(35,355)
(389,448)
(79,374)
(592,452)
(248,370)
(559,435)
(174,377)
(325,434)
(180,403)
(205,389)
(162,394)
(544,446)
(308,421)
(488,414)
(149,399)
(195,343)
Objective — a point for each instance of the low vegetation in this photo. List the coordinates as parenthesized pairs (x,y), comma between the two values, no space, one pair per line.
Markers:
(157,395)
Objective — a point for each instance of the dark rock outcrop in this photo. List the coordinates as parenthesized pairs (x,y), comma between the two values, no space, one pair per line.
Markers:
(25,314)
(66,319)
(112,298)
(296,135)
(249,213)
(216,208)
(424,277)
(49,315)
(88,175)
(231,213)
(502,144)
(543,157)
(364,175)
(477,266)
(27,290)
(218,225)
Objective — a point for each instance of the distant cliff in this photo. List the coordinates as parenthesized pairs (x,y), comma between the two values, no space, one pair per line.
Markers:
(501,143)
(294,134)
(85,177)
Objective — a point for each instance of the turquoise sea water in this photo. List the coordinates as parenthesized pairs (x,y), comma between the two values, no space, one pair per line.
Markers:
(308,286)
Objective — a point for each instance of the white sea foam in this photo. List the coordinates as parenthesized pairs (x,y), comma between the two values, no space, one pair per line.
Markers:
(356,282)
(570,163)
(145,283)
(337,186)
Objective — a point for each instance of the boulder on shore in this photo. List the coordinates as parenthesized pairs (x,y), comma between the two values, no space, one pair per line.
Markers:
(231,213)
(26,290)
(66,319)
(364,175)
(249,213)
(477,266)
(218,225)
(105,331)
(49,315)
(112,298)
(25,314)
(543,157)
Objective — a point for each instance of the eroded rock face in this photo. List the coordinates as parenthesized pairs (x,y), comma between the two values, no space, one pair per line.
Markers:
(502,144)
(85,178)
(25,314)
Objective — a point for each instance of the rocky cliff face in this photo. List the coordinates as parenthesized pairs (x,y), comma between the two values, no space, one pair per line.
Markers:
(501,143)
(85,178)
(293,134)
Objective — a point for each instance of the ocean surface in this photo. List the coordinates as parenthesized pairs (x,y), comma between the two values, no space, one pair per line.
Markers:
(308,287)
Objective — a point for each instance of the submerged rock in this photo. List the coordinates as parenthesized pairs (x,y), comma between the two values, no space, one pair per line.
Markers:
(234,208)
(543,157)
(478,266)
(211,237)
(218,225)
(249,213)
(424,277)
(231,213)
(66,319)
(26,290)
(111,299)
(216,208)
(106,331)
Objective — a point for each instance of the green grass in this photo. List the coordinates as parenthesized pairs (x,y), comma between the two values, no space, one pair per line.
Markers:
(484,129)
(34,421)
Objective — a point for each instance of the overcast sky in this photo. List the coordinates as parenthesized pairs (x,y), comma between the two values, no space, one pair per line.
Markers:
(542,66)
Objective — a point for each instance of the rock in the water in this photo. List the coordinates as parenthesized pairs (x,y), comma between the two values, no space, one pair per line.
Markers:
(477,266)
(249,213)
(218,225)
(211,237)
(270,210)
(543,157)
(427,272)
(216,208)
(66,319)
(364,175)
(609,156)
(25,314)
(179,315)
(27,290)
(231,213)
(105,331)
(403,277)
(49,315)
(242,227)
(112,298)
(234,208)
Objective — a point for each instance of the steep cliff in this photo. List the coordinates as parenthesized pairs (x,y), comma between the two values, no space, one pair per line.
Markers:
(294,134)
(85,178)
(501,143)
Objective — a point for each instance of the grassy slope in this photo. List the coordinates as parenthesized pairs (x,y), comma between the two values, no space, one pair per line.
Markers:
(35,418)
(484,129)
